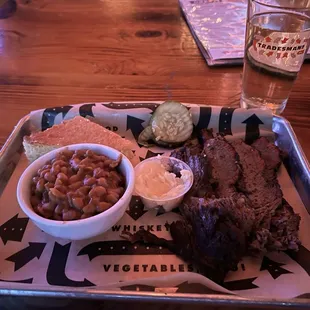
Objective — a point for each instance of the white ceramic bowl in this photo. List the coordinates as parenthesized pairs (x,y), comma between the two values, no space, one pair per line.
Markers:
(84,228)
(167,203)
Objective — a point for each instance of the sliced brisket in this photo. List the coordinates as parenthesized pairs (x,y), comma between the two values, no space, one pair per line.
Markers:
(235,205)
(270,153)
(220,227)
(265,196)
(199,165)
(284,229)
(282,226)
(213,236)
(223,164)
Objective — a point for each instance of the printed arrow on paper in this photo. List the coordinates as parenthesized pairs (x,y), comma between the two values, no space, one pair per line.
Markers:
(13,229)
(238,285)
(274,268)
(301,257)
(125,106)
(135,125)
(136,208)
(87,110)
(121,247)
(28,281)
(204,117)
(161,211)
(21,258)
(55,274)
(225,120)
(150,154)
(252,128)
(49,115)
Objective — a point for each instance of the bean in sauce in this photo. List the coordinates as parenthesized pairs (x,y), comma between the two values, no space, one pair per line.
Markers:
(76,185)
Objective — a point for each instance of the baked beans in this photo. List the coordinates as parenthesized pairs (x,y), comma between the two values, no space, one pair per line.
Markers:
(76,185)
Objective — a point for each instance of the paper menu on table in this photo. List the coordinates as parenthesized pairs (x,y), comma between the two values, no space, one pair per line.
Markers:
(218,27)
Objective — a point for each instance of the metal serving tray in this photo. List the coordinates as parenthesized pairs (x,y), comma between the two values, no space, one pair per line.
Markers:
(297,167)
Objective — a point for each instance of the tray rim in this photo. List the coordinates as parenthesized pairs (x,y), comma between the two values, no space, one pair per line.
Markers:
(181,298)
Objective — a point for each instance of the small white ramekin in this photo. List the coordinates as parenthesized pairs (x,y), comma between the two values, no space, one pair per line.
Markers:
(168,203)
(84,228)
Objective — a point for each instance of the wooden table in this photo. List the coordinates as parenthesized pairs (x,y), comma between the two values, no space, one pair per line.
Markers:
(60,52)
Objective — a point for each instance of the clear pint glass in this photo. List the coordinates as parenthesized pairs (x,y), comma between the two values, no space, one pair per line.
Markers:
(276,42)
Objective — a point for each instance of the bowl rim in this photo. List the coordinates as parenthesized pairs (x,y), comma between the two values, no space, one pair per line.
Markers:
(27,209)
(186,190)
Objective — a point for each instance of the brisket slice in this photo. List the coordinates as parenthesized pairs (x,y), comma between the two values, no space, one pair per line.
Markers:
(213,235)
(224,170)
(284,229)
(270,153)
(265,196)
(182,246)
(201,186)
(219,229)
(282,234)
(190,148)
(193,157)
(284,224)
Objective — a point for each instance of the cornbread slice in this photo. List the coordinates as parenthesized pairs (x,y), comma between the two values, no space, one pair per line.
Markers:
(76,130)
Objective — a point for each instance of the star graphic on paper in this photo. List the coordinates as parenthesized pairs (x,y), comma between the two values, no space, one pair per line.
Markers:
(285,55)
(284,40)
(269,54)
(136,208)
(268,39)
(298,41)
(273,267)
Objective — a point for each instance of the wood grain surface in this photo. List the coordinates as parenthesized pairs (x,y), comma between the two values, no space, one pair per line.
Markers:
(60,52)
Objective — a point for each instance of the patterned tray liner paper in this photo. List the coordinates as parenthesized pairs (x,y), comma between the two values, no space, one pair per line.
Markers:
(29,258)
(218,27)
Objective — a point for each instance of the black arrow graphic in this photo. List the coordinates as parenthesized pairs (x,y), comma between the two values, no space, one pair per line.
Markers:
(225,120)
(239,285)
(13,229)
(49,115)
(135,125)
(121,247)
(55,274)
(87,110)
(136,208)
(204,117)
(302,257)
(274,268)
(125,106)
(161,211)
(252,128)
(150,154)
(29,281)
(21,258)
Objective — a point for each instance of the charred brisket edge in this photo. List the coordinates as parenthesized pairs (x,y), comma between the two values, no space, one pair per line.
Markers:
(187,253)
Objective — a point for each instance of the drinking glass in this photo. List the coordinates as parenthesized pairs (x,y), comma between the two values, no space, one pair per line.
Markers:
(276,42)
